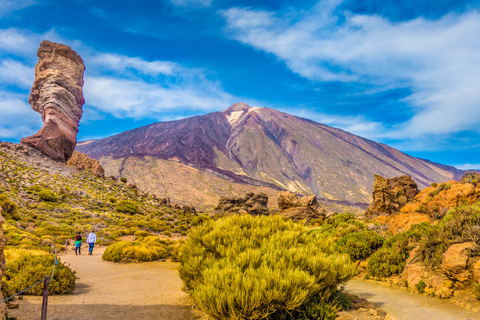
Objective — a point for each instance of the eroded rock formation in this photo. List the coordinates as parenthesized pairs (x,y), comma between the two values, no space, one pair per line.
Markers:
(57,95)
(306,208)
(390,195)
(253,203)
(81,160)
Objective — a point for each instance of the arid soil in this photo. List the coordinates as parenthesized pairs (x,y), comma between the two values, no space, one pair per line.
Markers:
(107,290)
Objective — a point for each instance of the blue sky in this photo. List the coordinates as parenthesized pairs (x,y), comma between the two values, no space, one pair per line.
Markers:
(405,73)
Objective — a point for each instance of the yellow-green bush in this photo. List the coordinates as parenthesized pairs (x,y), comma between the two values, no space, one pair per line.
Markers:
(29,268)
(47,196)
(9,208)
(135,251)
(244,267)
(127,206)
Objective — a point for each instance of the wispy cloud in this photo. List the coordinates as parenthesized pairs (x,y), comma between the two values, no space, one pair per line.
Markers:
(437,59)
(18,119)
(192,3)
(467,166)
(8,6)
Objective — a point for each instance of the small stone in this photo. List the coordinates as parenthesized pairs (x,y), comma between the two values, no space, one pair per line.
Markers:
(12,305)
(373,312)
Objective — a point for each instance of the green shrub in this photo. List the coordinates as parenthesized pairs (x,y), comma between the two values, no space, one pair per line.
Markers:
(127,206)
(360,245)
(460,224)
(141,233)
(476,290)
(198,220)
(112,199)
(47,196)
(134,251)
(391,257)
(421,286)
(123,179)
(244,267)
(470,176)
(434,184)
(27,269)
(443,186)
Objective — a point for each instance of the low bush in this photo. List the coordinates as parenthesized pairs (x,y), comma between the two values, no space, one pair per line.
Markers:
(29,268)
(47,196)
(420,286)
(360,245)
(9,208)
(244,267)
(392,256)
(460,224)
(135,251)
(127,206)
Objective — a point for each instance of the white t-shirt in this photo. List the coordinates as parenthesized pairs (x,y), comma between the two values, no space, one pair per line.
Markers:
(92,238)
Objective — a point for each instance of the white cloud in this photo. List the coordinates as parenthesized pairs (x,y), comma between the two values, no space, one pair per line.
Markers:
(125,98)
(122,64)
(437,59)
(192,3)
(467,166)
(8,6)
(16,73)
(18,119)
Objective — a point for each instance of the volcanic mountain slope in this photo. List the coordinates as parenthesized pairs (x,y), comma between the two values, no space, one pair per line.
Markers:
(242,147)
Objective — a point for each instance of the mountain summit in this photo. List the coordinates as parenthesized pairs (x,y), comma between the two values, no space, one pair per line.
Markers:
(248,146)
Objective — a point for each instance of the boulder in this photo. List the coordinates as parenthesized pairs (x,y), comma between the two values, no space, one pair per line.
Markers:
(252,203)
(476,271)
(306,208)
(390,195)
(81,160)
(58,96)
(287,199)
(189,209)
(455,262)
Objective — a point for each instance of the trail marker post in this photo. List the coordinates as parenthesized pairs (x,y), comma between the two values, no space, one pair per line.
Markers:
(46,283)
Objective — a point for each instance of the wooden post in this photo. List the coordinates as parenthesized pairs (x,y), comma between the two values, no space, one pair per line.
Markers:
(45,298)
(66,246)
(51,251)
(101,243)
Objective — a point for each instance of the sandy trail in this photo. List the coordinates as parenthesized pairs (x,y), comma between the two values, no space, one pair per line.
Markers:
(408,306)
(107,290)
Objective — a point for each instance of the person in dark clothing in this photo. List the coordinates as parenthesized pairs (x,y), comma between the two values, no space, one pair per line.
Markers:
(78,243)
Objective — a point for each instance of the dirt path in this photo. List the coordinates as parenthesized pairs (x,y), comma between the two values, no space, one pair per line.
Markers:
(408,306)
(109,290)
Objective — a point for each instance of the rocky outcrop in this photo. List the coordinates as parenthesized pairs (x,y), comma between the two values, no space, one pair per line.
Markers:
(2,261)
(253,203)
(306,208)
(57,95)
(390,195)
(82,161)
(455,262)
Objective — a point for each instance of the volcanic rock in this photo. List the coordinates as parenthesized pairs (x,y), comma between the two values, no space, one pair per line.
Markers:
(390,195)
(253,203)
(57,95)
(297,209)
(81,160)
(455,262)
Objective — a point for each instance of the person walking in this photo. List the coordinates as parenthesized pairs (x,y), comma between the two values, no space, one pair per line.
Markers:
(91,239)
(78,244)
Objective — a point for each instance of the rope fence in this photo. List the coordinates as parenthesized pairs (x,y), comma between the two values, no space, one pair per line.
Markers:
(46,280)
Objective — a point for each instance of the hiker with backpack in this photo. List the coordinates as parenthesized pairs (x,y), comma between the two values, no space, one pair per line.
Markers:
(78,244)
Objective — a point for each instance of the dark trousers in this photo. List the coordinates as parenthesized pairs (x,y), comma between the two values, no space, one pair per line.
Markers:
(90,247)
(78,249)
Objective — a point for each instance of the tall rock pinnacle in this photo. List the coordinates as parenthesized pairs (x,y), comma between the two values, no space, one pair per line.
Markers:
(57,95)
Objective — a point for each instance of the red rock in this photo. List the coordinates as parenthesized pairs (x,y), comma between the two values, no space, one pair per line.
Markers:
(390,195)
(455,262)
(83,161)
(57,95)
